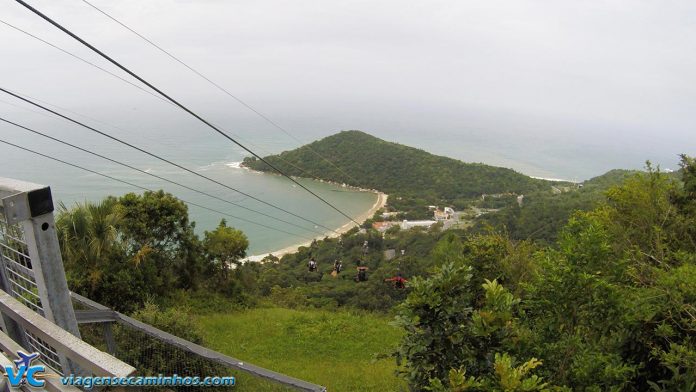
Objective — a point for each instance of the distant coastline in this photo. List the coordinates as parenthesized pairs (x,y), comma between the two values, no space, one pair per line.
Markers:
(240,165)
(379,203)
(555,179)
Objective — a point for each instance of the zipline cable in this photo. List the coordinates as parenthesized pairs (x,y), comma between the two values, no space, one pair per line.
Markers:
(126,81)
(144,188)
(186,109)
(159,157)
(119,128)
(83,60)
(106,71)
(151,174)
(219,87)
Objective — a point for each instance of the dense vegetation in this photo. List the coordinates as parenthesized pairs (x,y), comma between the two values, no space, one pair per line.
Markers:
(414,178)
(604,302)
(123,251)
(543,213)
(609,307)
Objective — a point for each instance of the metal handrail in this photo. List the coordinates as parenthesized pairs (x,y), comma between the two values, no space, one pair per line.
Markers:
(53,383)
(201,351)
(87,357)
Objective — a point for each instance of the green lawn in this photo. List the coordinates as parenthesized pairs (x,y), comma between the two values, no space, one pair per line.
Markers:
(334,349)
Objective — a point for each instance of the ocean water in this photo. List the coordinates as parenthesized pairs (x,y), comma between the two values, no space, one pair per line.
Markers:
(215,160)
(180,139)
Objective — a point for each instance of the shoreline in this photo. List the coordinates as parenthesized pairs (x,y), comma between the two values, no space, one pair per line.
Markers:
(379,203)
(240,165)
(555,179)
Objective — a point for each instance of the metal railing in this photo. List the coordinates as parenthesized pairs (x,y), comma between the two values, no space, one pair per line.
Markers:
(38,312)
(17,264)
(158,352)
(35,306)
(88,358)
(18,276)
(51,377)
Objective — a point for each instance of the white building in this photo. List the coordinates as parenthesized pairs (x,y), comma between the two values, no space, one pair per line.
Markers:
(405,225)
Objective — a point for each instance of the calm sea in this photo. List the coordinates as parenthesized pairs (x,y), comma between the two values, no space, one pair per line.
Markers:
(187,143)
(213,159)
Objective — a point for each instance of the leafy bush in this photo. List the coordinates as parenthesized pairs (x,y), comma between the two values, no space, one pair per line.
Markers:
(447,338)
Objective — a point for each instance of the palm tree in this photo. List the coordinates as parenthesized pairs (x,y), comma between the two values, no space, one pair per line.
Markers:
(88,234)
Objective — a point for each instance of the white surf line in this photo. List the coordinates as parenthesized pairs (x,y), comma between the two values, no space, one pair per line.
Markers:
(555,179)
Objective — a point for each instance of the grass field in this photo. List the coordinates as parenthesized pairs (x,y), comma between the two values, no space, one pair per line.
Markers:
(334,349)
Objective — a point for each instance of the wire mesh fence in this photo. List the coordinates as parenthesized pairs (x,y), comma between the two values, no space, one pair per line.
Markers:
(28,257)
(48,353)
(152,356)
(154,352)
(19,281)
(17,264)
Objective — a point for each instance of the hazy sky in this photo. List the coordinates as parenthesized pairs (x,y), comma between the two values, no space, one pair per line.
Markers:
(565,79)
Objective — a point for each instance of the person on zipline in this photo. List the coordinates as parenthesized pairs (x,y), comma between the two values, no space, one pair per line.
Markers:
(362,274)
(312,265)
(399,282)
(338,266)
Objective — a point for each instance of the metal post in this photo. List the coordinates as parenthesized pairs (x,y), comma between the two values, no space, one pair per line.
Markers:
(31,205)
(42,240)
(109,339)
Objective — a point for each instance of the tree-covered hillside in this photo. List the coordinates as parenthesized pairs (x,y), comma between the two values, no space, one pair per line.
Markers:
(543,213)
(606,306)
(359,159)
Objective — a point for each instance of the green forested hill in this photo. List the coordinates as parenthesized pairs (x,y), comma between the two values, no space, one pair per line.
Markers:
(545,212)
(606,305)
(363,160)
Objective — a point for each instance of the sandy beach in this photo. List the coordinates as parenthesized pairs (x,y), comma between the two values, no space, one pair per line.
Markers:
(381,202)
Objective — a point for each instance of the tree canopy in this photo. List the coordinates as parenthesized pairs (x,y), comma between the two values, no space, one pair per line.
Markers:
(123,251)
(605,301)
(416,176)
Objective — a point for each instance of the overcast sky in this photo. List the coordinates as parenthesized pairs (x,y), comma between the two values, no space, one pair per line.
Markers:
(488,71)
